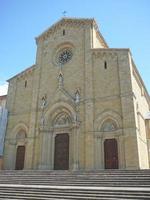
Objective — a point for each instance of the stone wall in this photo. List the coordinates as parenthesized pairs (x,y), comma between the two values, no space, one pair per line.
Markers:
(141,108)
(104,80)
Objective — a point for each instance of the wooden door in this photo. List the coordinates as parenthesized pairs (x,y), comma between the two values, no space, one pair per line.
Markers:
(20,155)
(61,157)
(111,154)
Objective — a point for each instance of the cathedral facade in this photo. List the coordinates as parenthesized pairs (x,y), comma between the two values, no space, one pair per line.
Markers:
(82,106)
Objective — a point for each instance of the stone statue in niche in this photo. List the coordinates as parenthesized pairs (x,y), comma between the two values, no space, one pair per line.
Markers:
(43,105)
(77,96)
(60,80)
(44,101)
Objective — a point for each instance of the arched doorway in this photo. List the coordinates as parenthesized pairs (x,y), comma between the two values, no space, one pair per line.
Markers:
(20,155)
(111,154)
(20,152)
(61,153)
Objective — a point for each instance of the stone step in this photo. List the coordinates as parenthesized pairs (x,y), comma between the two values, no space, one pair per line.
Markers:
(78,182)
(78,172)
(86,184)
(118,184)
(73,191)
(96,176)
(53,198)
(74,172)
(76,178)
(84,195)
(133,181)
(75,175)
(70,194)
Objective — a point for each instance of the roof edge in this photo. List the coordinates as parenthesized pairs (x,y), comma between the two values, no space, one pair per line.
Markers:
(23,72)
(63,20)
(141,81)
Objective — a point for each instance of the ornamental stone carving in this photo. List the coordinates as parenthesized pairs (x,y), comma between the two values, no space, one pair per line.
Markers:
(109,125)
(62,120)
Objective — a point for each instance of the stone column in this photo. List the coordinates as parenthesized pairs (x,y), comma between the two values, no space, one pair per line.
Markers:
(128,113)
(33,117)
(76,147)
(121,149)
(53,149)
(88,103)
(28,143)
(10,154)
(44,150)
(148,146)
(50,150)
(98,152)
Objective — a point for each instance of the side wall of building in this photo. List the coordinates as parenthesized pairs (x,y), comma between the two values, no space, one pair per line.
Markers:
(141,108)
(19,105)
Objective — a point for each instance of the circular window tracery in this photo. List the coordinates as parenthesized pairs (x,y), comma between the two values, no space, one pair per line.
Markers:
(64,56)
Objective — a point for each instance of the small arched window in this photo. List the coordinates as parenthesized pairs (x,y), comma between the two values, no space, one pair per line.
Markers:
(64,32)
(25,84)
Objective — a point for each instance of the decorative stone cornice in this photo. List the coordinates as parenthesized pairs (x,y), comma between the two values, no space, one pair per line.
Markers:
(63,22)
(23,73)
(103,52)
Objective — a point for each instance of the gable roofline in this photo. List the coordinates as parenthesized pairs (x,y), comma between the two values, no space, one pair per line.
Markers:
(66,20)
(27,70)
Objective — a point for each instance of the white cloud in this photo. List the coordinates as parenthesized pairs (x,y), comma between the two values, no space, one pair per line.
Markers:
(3,89)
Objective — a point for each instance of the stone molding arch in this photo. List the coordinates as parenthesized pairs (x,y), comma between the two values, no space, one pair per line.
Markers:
(64,45)
(51,129)
(56,109)
(62,119)
(17,128)
(109,125)
(107,115)
(12,138)
(101,135)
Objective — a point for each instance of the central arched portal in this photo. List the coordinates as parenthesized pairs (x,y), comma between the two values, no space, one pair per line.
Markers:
(61,153)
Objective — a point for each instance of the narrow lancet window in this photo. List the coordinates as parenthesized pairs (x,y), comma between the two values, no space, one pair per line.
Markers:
(25,84)
(64,32)
(105,65)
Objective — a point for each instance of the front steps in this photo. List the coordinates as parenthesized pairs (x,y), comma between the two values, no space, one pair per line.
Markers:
(103,184)
(133,178)
(63,192)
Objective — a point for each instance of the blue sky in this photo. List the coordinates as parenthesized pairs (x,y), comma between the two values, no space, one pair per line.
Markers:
(123,23)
